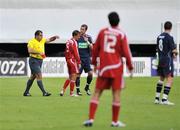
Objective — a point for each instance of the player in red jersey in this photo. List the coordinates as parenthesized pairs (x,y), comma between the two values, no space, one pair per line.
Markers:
(110,46)
(73,62)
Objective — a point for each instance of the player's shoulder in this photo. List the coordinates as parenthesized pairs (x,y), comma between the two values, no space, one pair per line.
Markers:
(166,36)
(117,31)
(43,39)
(68,42)
(103,29)
(71,41)
(31,41)
(162,35)
(88,36)
(169,36)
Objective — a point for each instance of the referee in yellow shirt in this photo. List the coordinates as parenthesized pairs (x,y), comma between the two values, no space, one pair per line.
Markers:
(36,52)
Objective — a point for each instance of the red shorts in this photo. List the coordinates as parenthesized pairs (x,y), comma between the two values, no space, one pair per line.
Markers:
(106,83)
(72,67)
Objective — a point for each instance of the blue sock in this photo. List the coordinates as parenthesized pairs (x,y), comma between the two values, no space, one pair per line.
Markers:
(28,85)
(40,84)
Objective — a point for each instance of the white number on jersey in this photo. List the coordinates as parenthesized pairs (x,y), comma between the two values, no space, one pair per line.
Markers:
(161,45)
(109,43)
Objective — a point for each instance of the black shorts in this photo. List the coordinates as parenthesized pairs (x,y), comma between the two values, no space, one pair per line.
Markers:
(166,71)
(35,65)
(85,65)
(165,67)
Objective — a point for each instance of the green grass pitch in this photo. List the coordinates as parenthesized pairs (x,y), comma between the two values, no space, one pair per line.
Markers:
(68,113)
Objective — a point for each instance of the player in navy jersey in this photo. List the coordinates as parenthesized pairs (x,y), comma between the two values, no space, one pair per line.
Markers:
(85,46)
(166,53)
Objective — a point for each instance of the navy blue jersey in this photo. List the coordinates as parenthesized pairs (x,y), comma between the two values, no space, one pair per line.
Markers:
(165,46)
(84,50)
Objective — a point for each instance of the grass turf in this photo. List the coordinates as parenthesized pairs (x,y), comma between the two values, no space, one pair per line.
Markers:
(68,113)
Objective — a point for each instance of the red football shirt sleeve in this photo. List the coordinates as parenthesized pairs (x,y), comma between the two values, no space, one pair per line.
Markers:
(95,51)
(127,53)
(76,53)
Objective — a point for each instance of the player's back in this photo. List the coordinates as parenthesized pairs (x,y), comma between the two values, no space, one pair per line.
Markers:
(111,46)
(165,44)
(69,53)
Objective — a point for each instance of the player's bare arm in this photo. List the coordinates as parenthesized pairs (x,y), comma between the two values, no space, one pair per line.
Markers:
(51,39)
(90,46)
(131,74)
(175,53)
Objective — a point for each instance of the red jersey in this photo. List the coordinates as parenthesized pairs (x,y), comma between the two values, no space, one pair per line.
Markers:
(71,51)
(110,46)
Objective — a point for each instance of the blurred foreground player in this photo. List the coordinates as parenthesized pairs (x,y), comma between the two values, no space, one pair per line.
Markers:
(110,46)
(36,52)
(166,53)
(73,62)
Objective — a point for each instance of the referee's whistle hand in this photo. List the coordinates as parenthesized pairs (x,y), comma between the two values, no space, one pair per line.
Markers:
(57,37)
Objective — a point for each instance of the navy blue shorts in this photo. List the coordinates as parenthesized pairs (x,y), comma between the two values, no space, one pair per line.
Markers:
(35,65)
(85,65)
(166,71)
(165,67)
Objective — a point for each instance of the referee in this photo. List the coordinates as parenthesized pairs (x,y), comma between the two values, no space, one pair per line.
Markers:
(36,52)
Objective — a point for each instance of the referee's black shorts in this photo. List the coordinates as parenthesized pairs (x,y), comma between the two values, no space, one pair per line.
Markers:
(35,65)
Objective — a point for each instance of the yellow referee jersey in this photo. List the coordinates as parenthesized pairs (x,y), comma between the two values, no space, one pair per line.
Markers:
(37,46)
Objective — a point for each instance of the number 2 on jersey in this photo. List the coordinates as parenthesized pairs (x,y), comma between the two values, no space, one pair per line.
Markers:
(109,43)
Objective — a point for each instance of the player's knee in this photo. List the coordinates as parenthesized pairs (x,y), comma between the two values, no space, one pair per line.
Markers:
(116,95)
(73,77)
(78,79)
(160,82)
(90,76)
(116,98)
(162,78)
(32,77)
(90,73)
(169,83)
(96,95)
(38,76)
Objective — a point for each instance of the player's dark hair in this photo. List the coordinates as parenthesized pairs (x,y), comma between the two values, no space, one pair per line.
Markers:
(113,18)
(167,25)
(84,25)
(75,33)
(38,32)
